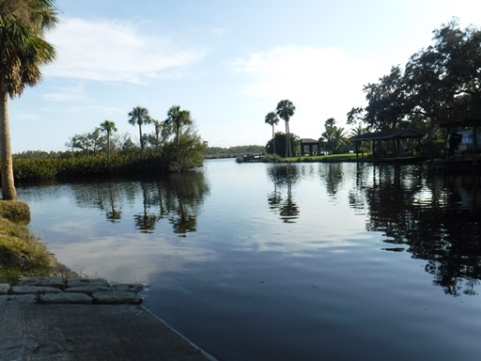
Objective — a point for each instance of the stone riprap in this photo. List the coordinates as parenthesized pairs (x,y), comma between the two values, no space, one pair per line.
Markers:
(55,290)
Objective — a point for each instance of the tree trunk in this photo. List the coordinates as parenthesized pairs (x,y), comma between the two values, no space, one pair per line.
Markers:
(6,163)
(108,143)
(141,139)
(288,140)
(273,139)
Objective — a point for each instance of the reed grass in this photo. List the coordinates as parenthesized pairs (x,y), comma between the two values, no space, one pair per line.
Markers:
(44,169)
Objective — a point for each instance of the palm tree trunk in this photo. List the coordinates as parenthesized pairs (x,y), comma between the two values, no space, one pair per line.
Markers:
(141,139)
(108,143)
(288,141)
(6,163)
(273,139)
(157,139)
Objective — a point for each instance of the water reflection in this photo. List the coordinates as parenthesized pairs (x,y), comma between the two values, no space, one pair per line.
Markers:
(436,219)
(175,198)
(106,196)
(332,174)
(283,176)
(449,233)
(146,220)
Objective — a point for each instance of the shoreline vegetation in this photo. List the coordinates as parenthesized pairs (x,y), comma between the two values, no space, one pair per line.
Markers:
(21,254)
(269,158)
(65,167)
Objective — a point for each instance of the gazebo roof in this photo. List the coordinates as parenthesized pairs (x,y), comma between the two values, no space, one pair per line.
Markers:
(309,141)
(389,135)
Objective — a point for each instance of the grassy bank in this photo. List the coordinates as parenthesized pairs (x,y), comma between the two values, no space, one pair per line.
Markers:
(20,252)
(346,157)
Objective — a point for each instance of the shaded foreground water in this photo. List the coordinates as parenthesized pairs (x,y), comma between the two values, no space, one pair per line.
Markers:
(286,262)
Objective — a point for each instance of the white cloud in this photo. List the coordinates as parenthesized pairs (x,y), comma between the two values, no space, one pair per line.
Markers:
(321,82)
(113,51)
(69,93)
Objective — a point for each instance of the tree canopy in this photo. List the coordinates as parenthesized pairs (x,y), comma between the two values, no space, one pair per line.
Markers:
(272,119)
(177,119)
(108,127)
(445,74)
(333,137)
(139,116)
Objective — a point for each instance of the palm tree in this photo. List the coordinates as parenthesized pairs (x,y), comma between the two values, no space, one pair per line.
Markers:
(339,139)
(108,127)
(23,49)
(285,110)
(176,119)
(139,116)
(327,137)
(158,127)
(272,119)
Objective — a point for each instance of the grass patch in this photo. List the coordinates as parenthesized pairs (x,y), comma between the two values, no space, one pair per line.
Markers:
(20,252)
(17,212)
(345,157)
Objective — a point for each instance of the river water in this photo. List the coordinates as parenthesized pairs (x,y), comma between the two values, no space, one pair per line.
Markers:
(286,262)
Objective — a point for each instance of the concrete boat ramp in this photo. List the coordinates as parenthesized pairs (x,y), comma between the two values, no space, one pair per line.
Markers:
(50,319)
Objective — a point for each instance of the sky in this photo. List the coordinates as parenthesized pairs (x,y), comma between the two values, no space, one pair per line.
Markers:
(228,62)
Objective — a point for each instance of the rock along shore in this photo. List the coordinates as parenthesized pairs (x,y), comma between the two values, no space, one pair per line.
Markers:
(48,318)
(75,290)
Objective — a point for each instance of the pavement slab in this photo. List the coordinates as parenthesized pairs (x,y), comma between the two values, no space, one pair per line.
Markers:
(65,332)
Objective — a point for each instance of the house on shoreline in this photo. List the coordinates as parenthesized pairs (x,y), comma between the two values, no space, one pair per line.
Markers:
(309,146)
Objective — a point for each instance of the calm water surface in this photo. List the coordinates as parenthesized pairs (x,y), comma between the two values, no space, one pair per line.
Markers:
(286,262)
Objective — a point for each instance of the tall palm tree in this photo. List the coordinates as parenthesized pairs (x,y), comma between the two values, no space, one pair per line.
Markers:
(177,118)
(272,119)
(139,116)
(285,110)
(108,127)
(158,127)
(23,49)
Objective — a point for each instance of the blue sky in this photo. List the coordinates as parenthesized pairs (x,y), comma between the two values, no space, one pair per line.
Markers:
(227,62)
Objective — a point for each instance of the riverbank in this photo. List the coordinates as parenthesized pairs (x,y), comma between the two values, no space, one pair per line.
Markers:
(20,252)
(47,318)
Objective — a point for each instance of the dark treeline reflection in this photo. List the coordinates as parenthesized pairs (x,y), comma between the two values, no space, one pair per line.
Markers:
(175,198)
(284,177)
(436,218)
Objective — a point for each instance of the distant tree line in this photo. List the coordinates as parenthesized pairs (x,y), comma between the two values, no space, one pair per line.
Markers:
(233,152)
